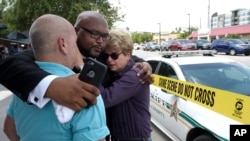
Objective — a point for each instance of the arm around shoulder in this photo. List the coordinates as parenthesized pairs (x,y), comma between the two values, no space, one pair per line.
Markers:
(20,74)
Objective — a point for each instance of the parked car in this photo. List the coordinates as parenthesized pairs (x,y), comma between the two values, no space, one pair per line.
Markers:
(151,46)
(246,41)
(164,45)
(230,46)
(191,45)
(178,45)
(181,101)
(202,44)
(139,46)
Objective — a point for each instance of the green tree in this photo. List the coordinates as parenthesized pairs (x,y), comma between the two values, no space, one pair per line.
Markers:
(2,6)
(235,36)
(142,37)
(183,35)
(19,14)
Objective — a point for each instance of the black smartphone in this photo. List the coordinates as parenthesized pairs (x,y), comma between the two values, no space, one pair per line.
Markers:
(93,72)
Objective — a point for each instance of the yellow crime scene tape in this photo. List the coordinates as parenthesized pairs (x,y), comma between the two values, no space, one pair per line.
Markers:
(233,105)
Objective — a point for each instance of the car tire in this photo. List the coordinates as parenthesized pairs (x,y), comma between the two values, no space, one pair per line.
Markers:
(246,54)
(205,137)
(232,52)
(215,51)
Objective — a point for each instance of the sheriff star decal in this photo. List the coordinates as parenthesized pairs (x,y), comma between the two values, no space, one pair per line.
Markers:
(174,110)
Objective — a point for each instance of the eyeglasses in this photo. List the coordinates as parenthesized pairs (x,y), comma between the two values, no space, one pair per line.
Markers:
(96,35)
(114,56)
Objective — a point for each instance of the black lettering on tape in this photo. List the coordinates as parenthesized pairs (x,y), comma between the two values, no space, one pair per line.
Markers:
(204,96)
(162,82)
(188,90)
(180,88)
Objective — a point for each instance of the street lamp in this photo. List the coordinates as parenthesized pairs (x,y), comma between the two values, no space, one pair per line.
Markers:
(189,23)
(159,35)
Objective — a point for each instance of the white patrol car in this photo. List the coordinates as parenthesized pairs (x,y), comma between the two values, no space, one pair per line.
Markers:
(196,97)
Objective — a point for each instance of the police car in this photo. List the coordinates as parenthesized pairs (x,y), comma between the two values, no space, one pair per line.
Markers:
(197,97)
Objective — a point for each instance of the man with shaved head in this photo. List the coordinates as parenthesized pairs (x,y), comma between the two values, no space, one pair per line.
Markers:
(54,44)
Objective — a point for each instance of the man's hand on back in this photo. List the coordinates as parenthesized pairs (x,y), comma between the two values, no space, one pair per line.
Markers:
(72,93)
(145,72)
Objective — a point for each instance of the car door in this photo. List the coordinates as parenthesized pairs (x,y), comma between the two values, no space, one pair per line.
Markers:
(146,48)
(165,107)
(173,45)
(226,46)
(223,45)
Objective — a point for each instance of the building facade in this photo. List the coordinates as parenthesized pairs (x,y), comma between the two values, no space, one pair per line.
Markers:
(235,22)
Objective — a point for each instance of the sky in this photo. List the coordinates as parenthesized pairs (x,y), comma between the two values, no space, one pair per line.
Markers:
(145,15)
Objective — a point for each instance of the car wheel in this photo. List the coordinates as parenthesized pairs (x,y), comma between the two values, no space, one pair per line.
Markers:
(232,52)
(246,54)
(215,51)
(205,137)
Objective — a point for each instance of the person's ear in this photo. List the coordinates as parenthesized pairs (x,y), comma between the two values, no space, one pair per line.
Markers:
(62,45)
(77,30)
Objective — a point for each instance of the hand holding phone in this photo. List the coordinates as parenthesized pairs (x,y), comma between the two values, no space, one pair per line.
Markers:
(93,72)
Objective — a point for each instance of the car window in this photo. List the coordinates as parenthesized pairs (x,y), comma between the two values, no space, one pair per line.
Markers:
(221,42)
(203,41)
(223,76)
(167,70)
(234,74)
(215,41)
(174,42)
(236,41)
(153,65)
(183,41)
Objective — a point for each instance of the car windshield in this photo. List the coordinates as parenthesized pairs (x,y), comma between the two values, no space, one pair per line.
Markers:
(164,42)
(203,41)
(183,41)
(236,41)
(225,76)
(154,43)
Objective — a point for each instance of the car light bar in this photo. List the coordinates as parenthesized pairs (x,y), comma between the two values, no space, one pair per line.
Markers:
(168,54)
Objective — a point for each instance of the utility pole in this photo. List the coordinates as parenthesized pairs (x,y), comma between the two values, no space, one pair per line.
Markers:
(208,16)
(160,36)
(200,22)
(189,23)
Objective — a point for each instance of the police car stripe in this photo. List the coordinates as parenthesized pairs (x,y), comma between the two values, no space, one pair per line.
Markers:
(185,119)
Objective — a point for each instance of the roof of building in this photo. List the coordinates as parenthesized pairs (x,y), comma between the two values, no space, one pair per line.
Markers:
(241,29)
(194,34)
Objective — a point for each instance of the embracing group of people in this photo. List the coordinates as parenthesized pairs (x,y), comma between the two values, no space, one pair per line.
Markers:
(50,103)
